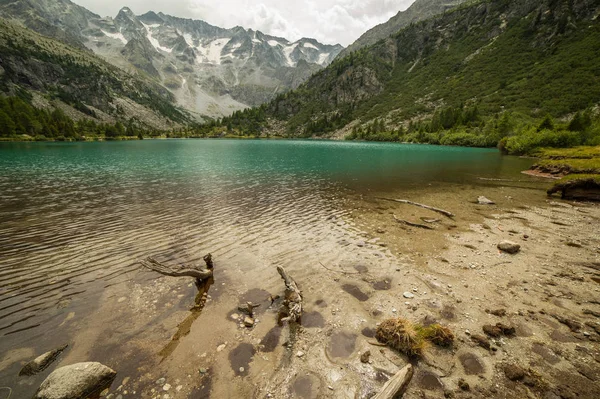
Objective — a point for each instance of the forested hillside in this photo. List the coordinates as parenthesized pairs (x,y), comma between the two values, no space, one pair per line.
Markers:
(476,75)
(52,75)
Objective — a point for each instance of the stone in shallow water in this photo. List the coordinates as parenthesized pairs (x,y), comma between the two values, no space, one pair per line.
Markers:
(484,201)
(408,295)
(78,380)
(40,363)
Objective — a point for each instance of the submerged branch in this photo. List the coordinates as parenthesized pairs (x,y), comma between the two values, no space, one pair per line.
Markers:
(406,222)
(431,208)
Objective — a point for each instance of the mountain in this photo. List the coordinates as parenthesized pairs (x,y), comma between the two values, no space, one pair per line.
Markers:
(210,70)
(471,66)
(53,74)
(418,11)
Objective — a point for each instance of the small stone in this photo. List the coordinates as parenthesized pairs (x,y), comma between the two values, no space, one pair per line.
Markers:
(481,341)
(299,354)
(364,358)
(464,385)
(394,310)
(160,381)
(484,201)
(509,247)
(221,347)
(514,372)
(179,388)
(203,370)
(242,369)
(235,316)
(166,387)
(249,322)
(408,295)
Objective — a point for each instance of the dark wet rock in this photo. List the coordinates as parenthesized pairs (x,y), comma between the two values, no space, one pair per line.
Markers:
(78,380)
(499,330)
(321,303)
(271,339)
(240,358)
(368,332)
(312,320)
(383,285)
(509,247)
(545,353)
(355,292)
(497,312)
(484,201)
(430,381)
(464,385)
(364,358)
(40,363)
(341,344)
(573,325)
(429,320)
(481,341)
(361,268)
(514,372)
(471,364)
(306,386)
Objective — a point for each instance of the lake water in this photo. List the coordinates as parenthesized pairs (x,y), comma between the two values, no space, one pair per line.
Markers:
(76,217)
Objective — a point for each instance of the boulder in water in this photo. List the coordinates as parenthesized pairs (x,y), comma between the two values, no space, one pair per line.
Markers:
(76,381)
(40,363)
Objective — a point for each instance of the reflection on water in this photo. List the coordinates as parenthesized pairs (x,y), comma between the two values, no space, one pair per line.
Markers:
(76,217)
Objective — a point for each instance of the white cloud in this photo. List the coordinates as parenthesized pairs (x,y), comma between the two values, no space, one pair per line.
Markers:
(329,21)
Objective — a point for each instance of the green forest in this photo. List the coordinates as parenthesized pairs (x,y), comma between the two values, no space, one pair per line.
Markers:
(22,121)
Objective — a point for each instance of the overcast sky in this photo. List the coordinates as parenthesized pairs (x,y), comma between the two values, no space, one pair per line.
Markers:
(329,21)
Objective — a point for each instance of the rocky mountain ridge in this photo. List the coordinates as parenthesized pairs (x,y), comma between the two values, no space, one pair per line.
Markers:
(211,71)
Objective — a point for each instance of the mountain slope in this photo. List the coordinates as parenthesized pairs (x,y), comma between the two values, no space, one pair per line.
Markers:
(418,11)
(59,75)
(210,70)
(524,56)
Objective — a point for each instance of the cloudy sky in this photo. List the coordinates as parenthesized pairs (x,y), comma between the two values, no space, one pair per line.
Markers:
(329,21)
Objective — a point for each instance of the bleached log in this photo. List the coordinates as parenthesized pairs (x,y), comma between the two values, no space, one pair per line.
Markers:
(396,386)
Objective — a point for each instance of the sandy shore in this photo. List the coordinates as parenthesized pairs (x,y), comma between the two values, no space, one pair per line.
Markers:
(455,274)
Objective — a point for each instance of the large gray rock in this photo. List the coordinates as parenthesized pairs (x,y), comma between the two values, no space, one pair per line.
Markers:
(76,381)
(509,247)
(41,362)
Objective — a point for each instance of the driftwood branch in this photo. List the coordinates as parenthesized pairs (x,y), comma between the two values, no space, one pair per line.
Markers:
(198,273)
(406,222)
(431,208)
(293,298)
(396,386)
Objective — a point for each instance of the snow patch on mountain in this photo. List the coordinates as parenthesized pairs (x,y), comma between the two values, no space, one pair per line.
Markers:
(117,36)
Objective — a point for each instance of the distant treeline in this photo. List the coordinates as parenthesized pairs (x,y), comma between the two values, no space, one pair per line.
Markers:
(19,117)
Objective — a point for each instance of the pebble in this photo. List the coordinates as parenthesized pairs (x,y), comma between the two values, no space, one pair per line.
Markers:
(203,370)
(221,347)
(160,381)
(408,295)
(394,310)
(166,387)
(299,353)
(242,369)
(235,316)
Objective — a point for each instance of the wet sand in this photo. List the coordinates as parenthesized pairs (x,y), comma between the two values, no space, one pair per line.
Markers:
(353,275)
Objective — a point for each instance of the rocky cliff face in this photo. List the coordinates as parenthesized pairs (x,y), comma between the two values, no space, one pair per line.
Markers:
(210,70)
(418,11)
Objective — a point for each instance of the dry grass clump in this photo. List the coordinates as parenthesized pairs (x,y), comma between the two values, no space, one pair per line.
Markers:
(438,335)
(412,339)
(401,335)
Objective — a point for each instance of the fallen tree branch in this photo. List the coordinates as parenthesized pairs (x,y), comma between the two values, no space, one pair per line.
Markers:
(292,305)
(431,208)
(406,222)
(396,386)
(198,273)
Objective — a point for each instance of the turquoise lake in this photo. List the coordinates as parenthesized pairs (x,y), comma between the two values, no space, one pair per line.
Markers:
(75,218)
